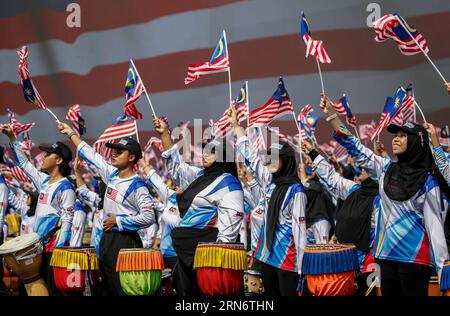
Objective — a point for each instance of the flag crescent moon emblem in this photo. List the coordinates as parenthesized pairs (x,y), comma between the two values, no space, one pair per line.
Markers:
(220,49)
(243,95)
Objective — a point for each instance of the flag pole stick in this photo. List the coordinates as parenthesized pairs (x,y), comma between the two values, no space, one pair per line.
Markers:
(415,112)
(420,110)
(53,114)
(299,137)
(423,51)
(137,132)
(248,103)
(320,74)
(145,90)
(229,68)
(356,131)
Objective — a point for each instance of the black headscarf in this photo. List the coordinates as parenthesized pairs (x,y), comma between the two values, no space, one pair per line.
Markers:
(34,196)
(319,204)
(219,167)
(354,215)
(407,176)
(283,179)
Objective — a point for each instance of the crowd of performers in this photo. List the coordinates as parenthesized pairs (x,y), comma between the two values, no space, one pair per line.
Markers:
(392,209)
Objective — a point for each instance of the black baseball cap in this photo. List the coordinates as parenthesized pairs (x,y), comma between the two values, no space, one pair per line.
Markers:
(129,144)
(61,149)
(409,128)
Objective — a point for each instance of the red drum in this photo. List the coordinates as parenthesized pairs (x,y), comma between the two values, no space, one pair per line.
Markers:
(75,269)
(220,268)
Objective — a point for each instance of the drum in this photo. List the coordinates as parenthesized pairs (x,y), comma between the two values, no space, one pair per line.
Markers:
(166,288)
(220,268)
(330,269)
(23,255)
(140,270)
(253,284)
(75,269)
(11,281)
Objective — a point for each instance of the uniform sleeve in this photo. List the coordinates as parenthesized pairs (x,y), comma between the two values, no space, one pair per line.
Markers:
(95,161)
(254,164)
(434,216)
(89,197)
(230,215)
(67,203)
(337,185)
(321,231)
(30,170)
(79,220)
(15,202)
(299,226)
(160,186)
(180,171)
(373,164)
(3,206)
(146,216)
(442,162)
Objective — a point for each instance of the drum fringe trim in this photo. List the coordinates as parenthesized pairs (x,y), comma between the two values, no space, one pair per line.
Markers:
(220,257)
(139,261)
(64,258)
(445,276)
(331,261)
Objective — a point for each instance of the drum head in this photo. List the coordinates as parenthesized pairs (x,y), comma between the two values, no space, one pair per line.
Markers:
(19,243)
(252,272)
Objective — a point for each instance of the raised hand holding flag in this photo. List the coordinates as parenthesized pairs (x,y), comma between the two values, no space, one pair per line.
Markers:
(74,116)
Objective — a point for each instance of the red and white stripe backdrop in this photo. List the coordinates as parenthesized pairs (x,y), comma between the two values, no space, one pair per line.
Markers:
(87,65)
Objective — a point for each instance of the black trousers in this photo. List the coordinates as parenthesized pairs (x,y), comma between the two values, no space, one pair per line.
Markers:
(278,282)
(185,242)
(110,245)
(404,279)
(47,274)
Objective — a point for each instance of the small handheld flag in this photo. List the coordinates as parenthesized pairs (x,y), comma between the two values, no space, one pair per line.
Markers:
(74,116)
(133,89)
(218,63)
(17,127)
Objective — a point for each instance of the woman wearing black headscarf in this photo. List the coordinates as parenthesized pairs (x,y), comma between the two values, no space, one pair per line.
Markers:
(282,241)
(409,238)
(211,205)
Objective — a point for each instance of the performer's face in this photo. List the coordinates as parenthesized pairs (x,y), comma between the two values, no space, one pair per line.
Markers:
(121,158)
(50,161)
(399,143)
(208,158)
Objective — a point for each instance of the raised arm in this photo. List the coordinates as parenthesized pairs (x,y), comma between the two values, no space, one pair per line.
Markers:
(337,185)
(440,157)
(245,152)
(21,159)
(93,159)
(156,181)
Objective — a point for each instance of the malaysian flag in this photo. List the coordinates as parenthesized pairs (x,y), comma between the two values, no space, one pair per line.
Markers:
(278,105)
(17,127)
(74,116)
(406,112)
(111,193)
(156,141)
(343,108)
(390,27)
(256,138)
(133,88)
(392,107)
(29,90)
(223,126)
(219,62)
(304,112)
(16,171)
(365,131)
(39,159)
(122,127)
(313,47)
(444,136)
(339,152)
